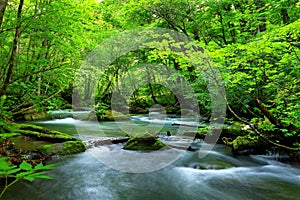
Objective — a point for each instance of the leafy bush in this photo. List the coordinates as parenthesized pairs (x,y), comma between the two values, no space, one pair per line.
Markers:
(25,171)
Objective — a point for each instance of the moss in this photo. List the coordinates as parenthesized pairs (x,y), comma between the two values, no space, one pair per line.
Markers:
(111,115)
(33,116)
(7,135)
(41,133)
(143,142)
(27,143)
(65,148)
(195,134)
(32,127)
(213,164)
(107,115)
(137,110)
(32,137)
(246,143)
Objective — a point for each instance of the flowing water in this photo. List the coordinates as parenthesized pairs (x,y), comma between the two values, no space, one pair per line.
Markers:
(219,175)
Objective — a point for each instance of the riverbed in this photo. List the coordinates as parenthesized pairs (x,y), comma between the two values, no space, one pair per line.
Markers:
(111,173)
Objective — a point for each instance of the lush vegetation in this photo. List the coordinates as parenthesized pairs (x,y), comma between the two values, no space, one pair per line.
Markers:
(254,43)
(25,171)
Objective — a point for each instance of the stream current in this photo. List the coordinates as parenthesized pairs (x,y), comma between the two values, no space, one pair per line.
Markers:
(220,175)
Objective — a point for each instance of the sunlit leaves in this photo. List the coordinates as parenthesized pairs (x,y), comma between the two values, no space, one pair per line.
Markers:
(24,171)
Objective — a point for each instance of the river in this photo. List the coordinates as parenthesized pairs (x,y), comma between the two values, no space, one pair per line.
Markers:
(218,176)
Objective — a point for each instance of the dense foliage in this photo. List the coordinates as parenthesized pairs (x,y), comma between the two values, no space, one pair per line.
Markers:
(254,43)
(25,171)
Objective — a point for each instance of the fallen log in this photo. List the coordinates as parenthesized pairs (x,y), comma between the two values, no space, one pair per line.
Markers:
(188,124)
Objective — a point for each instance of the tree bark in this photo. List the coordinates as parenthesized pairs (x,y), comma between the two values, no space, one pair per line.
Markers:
(278,123)
(150,86)
(223,30)
(14,50)
(266,113)
(3,4)
(259,133)
(285,16)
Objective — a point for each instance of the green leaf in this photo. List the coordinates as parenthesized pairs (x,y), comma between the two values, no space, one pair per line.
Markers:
(29,178)
(13,171)
(40,166)
(26,166)
(40,175)
(23,174)
(4,165)
(44,177)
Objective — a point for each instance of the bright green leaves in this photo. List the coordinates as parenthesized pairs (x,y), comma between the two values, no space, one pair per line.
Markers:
(24,171)
(55,38)
(268,69)
(32,174)
(6,169)
(25,166)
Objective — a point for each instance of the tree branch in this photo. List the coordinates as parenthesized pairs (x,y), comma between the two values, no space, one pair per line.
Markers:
(25,109)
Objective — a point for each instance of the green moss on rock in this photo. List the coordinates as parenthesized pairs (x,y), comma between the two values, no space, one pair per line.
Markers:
(33,116)
(111,115)
(106,115)
(49,141)
(144,142)
(65,148)
(41,133)
(245,143)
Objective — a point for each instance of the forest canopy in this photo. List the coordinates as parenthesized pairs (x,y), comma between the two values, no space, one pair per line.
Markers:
(254,44)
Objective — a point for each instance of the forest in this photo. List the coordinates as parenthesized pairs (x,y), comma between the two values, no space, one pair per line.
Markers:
(253,44)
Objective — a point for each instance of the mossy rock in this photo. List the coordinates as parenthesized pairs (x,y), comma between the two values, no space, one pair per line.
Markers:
(195,134)
(112,115)
(144,142)
(34,116)
(65,148)
(242,143)
(137,110)
(41,133)
(48,141)
(213,164)
(4,136)
(228,132)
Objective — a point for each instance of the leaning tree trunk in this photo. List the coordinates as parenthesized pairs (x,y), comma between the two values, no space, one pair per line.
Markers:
(276,122)
(3,4)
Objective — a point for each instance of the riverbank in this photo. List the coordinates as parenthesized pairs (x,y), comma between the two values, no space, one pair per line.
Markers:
(35,144)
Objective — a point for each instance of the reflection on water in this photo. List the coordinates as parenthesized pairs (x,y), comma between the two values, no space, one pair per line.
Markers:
(219,175)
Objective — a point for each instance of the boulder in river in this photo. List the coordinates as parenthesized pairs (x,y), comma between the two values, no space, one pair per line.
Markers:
(246,144)
(107,115)
(145,142)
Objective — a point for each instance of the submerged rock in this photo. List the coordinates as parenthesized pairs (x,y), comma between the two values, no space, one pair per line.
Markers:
(144,141)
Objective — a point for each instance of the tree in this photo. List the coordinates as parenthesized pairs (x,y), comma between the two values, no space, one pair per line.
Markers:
(41,53)
(262,82)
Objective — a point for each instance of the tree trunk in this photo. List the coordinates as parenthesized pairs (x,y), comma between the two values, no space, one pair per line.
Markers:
(150,86)
(285,16)
(265,111)
(232,32)
(11,62)
(272,119)
(3,4)
(223,30)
